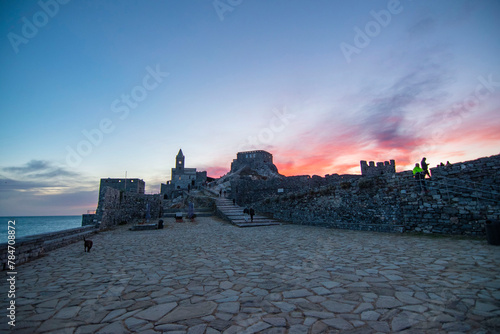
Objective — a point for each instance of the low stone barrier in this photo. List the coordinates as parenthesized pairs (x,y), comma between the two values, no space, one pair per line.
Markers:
(32,247)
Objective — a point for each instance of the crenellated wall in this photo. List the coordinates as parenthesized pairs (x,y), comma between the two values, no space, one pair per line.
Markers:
(381,168)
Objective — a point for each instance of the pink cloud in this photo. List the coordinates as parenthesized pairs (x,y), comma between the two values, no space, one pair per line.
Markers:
(216,171)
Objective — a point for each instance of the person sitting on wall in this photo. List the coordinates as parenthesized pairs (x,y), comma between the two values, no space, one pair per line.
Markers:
(425,168)
(419,177)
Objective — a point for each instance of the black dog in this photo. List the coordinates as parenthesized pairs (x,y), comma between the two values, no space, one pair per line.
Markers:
(87,245)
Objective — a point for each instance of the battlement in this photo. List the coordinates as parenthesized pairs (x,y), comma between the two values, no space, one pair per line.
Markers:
(381,168)
(128,185)
(251,158)
(264,156)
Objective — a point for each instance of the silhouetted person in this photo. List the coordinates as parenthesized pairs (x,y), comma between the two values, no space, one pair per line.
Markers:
(234,201)
(252,213)
(425,168)
(191,211)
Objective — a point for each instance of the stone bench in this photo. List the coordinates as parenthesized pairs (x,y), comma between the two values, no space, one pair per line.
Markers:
(144,227)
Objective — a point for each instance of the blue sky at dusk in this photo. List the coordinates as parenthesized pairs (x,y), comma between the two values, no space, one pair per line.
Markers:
(93,89)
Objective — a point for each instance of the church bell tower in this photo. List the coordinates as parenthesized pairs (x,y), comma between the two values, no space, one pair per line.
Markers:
(179,162)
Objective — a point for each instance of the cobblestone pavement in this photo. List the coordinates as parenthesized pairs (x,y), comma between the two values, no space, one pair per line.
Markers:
(212,277)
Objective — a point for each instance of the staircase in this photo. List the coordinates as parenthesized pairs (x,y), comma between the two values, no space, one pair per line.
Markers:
(234,214)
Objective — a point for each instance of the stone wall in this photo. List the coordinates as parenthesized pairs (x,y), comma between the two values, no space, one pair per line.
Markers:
(32,247)
(89,219)
(119,207)
(136,186)
(460,198)
(246,190)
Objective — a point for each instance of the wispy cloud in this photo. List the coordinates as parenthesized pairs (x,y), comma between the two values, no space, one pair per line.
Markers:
(39,169)
(42,187)
(8,184)
(391,120)
(40,177)
(216,171)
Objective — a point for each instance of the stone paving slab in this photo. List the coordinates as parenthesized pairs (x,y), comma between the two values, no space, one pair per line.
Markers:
(211,277)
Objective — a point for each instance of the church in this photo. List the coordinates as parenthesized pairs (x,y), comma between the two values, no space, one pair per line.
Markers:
(182,178)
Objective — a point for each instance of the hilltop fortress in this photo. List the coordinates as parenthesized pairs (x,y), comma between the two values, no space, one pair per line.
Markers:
(253,160)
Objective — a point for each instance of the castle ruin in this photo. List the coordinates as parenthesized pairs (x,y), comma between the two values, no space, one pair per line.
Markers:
(254,160)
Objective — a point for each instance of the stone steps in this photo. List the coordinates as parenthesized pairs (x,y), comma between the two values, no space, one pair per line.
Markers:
(234,214)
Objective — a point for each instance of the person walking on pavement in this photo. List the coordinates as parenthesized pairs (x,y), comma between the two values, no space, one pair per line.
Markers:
(252,213)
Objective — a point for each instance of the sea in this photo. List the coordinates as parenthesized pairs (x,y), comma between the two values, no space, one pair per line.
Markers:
(25,226)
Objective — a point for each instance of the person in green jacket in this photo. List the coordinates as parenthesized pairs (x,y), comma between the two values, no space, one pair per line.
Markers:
(419,175)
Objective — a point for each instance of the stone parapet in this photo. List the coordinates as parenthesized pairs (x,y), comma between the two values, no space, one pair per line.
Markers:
(32,247)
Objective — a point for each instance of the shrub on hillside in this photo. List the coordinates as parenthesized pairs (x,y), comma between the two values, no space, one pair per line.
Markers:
(345,185)
(365,184)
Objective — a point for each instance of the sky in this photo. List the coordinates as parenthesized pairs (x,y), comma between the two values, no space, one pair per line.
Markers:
(97,89)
